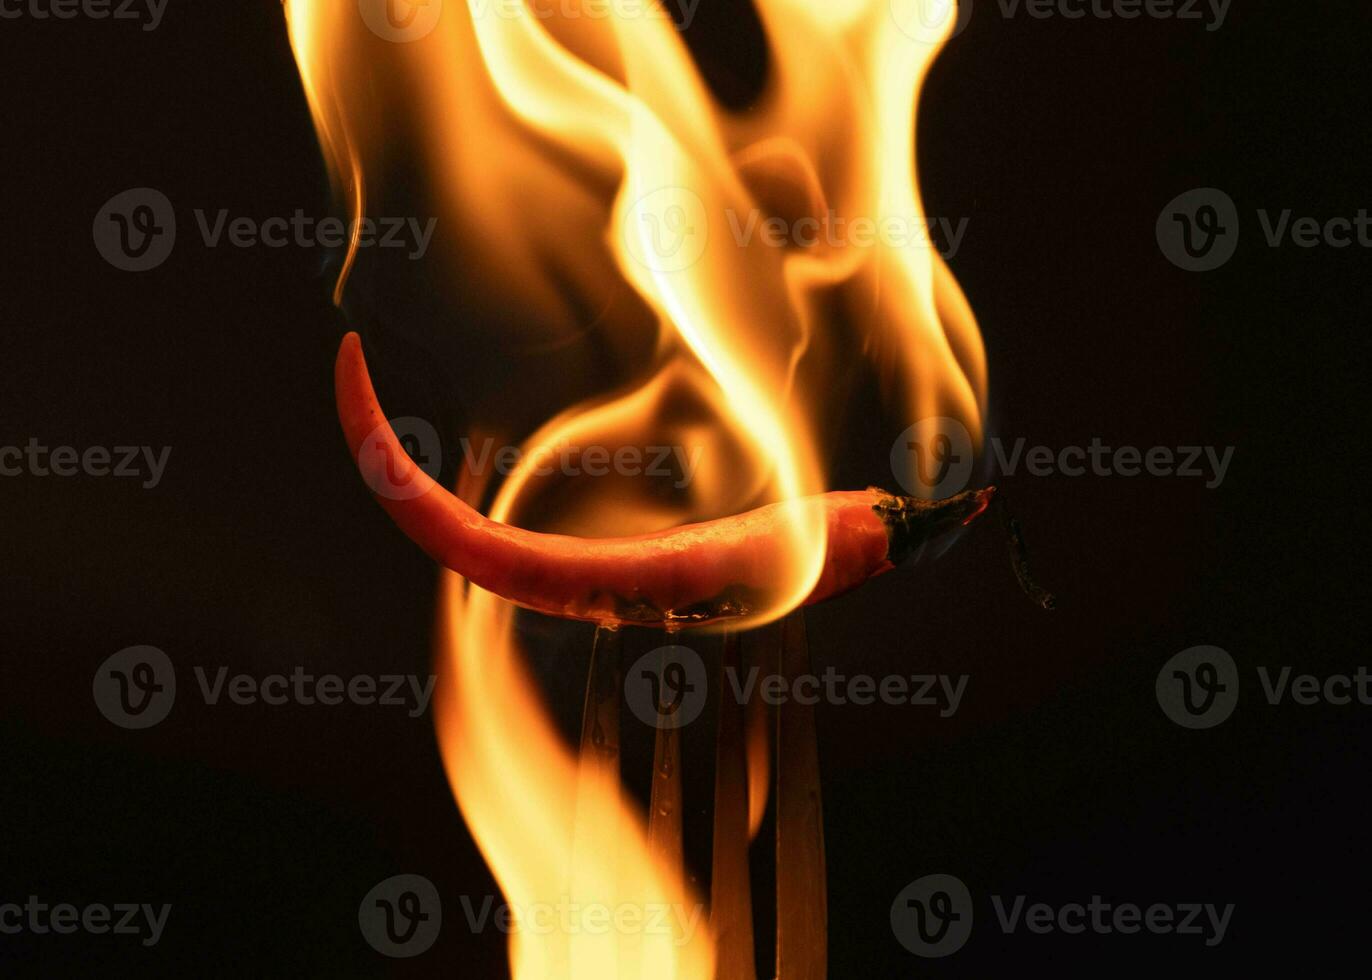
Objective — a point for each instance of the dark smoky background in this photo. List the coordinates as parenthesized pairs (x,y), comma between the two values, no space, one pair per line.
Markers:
(1059,777)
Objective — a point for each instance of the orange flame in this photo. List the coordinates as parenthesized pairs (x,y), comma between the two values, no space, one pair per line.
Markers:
(589,168)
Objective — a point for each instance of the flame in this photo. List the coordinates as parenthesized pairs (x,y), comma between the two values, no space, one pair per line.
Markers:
(594,188)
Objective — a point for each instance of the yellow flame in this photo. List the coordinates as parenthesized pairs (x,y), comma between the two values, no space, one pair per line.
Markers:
(592,186)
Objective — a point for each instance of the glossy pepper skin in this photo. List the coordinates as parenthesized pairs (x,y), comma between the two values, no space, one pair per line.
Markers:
(693,575)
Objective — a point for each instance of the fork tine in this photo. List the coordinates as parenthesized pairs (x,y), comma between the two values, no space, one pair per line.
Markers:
(664,808)
(598,764)
(802,902)
(600,717)
(731,902)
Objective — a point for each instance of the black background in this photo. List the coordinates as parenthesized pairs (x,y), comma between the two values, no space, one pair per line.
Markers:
(1059,779)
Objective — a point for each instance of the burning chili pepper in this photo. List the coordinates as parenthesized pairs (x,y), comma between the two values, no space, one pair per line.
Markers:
(687,576)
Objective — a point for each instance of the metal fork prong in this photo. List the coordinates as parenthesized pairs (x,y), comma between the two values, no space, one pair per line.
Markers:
(664,807)
(802,901)
(598,763)
(600,717)
(731,901)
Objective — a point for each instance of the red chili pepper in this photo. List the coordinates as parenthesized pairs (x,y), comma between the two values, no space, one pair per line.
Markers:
(688,576)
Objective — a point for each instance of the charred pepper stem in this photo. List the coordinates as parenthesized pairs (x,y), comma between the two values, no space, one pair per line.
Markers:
(1019,561)
(910,522)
